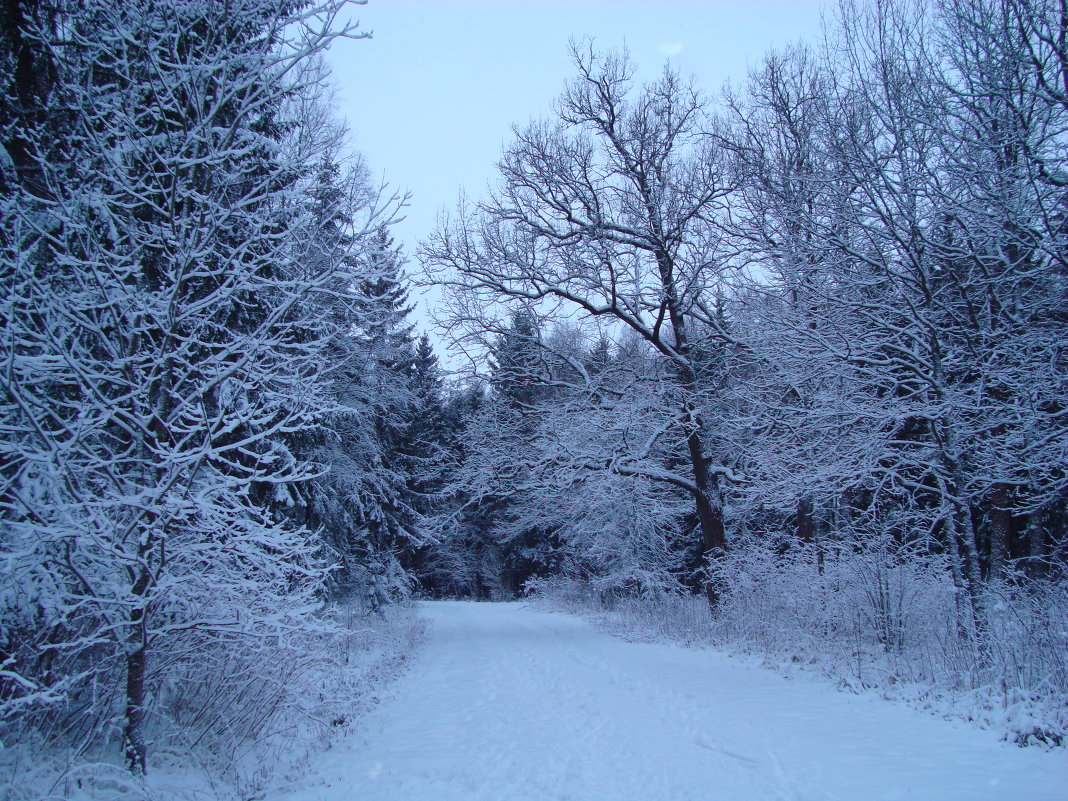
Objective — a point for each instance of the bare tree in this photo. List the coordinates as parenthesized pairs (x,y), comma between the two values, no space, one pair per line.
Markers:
(608,211)
(899,202)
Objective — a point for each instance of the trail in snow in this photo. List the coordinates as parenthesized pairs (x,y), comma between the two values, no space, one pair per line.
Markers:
(506,703)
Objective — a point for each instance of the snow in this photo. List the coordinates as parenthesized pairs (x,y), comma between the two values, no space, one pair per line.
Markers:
(509,703)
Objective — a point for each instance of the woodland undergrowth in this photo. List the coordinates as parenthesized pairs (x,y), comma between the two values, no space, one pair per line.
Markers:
(227,722)
(870,621)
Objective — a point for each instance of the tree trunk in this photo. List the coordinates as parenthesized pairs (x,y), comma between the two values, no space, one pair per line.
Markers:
(969,553)
(1000,530)
(965,573)
(806,527)
(1036,544)
(708,499)
(962,598)
(133,736)
(960,531)
(708,496)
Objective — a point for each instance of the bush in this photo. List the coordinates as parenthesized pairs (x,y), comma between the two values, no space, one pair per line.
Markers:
(873,616)
(228,717)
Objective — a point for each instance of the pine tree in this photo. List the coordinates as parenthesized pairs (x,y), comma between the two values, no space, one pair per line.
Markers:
(390,511)
(499,441)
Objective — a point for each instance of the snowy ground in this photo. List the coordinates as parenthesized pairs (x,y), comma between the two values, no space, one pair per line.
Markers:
(505,703)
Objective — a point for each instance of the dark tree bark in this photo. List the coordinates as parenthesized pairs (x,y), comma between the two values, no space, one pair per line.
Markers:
(1000,528)
(134,746)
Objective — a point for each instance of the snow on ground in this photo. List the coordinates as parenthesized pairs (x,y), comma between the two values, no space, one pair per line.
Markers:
(505,703)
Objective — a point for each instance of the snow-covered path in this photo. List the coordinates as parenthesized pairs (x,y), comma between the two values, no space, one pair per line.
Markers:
(507,703)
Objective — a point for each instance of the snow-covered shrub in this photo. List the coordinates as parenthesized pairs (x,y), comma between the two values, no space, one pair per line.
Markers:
(864,599)
(230,716)
(878,616)
(882,615)
(250,711)
(675,615)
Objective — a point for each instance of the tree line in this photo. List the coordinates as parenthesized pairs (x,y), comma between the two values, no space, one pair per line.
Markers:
(823,313)
(216,417)
(748,347)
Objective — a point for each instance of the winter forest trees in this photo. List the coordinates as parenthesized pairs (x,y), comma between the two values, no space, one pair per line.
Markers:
(208,382)
(801,346)
(798,349)
(848,279)
(607,211)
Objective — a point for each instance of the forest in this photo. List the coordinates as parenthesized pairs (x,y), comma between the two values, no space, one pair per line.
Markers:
(782,366)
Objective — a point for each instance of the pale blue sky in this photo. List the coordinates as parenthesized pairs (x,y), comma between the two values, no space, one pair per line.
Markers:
(432,98)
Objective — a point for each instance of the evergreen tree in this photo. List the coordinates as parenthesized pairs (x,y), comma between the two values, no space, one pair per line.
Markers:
(462,559)
(427,434)
(494,473)
(390,513)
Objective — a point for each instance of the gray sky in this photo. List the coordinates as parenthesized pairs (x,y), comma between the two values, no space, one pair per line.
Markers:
(431,99)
